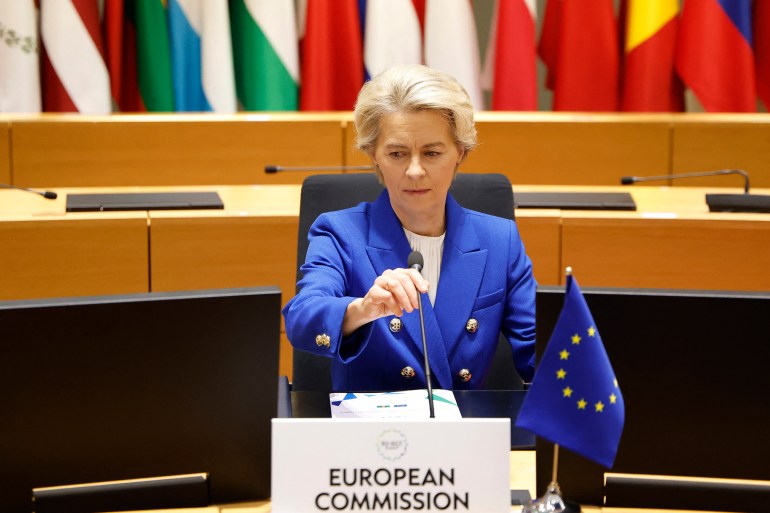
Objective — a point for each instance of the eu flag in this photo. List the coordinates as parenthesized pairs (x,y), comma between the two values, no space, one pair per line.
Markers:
(574,400)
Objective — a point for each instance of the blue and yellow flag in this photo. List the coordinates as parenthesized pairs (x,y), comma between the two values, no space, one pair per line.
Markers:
(575,400)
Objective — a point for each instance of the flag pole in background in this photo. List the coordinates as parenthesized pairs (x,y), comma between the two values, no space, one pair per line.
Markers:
(574,400)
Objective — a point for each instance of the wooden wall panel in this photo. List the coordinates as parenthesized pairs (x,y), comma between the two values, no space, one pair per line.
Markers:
(711,142)
(123,150)
(5,152)
(571,150)
(549,148)
(718,254)
(73,257)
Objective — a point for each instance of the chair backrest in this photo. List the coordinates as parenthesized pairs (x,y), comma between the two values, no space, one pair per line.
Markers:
(488,193)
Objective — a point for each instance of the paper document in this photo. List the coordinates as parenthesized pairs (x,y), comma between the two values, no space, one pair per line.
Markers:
(409,404)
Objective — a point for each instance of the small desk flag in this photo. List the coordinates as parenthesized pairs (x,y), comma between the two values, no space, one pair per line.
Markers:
(574,400)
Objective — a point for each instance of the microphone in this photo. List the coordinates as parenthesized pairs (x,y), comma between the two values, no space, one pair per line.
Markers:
(415,261)
(628,180)
(270,169)
(45,194)
(754,203)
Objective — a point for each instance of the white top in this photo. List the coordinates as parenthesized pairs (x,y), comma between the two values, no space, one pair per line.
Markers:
(432,248)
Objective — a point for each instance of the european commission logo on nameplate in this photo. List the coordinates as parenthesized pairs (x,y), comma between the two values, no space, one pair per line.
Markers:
(390,465)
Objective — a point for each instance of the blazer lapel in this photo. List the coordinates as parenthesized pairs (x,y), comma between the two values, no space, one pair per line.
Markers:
(388,248)
(462,270)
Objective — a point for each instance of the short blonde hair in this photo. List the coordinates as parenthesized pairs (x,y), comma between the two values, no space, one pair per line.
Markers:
(410,88)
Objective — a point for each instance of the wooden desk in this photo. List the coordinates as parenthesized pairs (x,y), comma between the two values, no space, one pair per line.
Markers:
(671,241)
(47,253)
(5,152)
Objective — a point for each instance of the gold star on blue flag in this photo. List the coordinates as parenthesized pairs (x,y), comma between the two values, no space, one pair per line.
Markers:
(574,399)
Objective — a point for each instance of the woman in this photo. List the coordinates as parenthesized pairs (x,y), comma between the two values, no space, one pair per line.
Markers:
(357,299)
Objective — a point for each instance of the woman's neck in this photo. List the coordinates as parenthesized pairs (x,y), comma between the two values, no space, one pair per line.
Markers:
(426,227)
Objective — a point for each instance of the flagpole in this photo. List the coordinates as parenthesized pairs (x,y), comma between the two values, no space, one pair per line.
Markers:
(552,501)
(555,463)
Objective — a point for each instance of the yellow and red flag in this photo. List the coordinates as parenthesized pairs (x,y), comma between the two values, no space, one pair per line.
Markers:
(650,82)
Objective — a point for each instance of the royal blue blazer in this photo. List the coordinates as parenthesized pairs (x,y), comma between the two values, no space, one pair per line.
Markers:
(485,275)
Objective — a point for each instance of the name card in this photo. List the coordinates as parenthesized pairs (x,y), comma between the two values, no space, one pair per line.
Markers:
(390,465)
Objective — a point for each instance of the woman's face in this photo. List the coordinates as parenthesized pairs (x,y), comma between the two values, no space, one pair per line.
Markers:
(418,158)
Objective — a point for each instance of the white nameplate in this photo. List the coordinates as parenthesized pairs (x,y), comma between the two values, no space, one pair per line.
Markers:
(390,465)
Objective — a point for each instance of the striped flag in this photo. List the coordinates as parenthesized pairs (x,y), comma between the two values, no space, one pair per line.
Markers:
(331,55)
(650,82)
(451,45)
(510,66)
(393,35)
(714,54)
(201,56)
(120,55)
(266,54)
(153,55)
(762,49)
(579,45)
(74,74)
(19,65)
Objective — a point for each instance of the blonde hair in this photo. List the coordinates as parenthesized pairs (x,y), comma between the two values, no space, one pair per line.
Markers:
(410,88)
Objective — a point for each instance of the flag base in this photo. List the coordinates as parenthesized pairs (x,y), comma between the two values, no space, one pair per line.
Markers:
(551,502)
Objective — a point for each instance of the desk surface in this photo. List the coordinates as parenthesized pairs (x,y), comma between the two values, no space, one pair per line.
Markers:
(283,200)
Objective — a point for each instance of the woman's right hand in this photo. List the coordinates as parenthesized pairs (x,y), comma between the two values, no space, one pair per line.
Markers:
(393,292)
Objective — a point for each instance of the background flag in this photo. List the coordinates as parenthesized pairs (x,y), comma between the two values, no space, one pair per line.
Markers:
(19,64)
(120,55)
(510,68)
(714,54)
(393,35)
(650,83)
(201,55)
(153,54)
(331,55)
(138,55)
(451,44)
(574,400)
(762,49)
(74,74)
(579,46)
(266,54)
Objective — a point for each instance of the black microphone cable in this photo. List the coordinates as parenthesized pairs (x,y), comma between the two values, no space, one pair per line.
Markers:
(45,194)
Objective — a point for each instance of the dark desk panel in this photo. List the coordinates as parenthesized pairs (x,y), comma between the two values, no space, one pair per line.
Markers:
(692,367)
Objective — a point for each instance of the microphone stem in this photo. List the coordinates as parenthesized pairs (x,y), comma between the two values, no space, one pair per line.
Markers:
(701,174)
(425,354)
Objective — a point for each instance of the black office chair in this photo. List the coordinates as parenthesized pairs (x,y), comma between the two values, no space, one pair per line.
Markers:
(488,193)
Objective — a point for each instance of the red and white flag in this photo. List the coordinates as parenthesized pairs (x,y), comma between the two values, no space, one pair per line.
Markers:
(393,35)
(451,45)
(75,77)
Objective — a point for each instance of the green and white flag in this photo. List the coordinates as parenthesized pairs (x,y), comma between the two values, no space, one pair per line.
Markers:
(266,55)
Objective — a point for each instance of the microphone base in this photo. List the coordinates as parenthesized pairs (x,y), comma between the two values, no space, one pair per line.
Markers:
(752,203)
